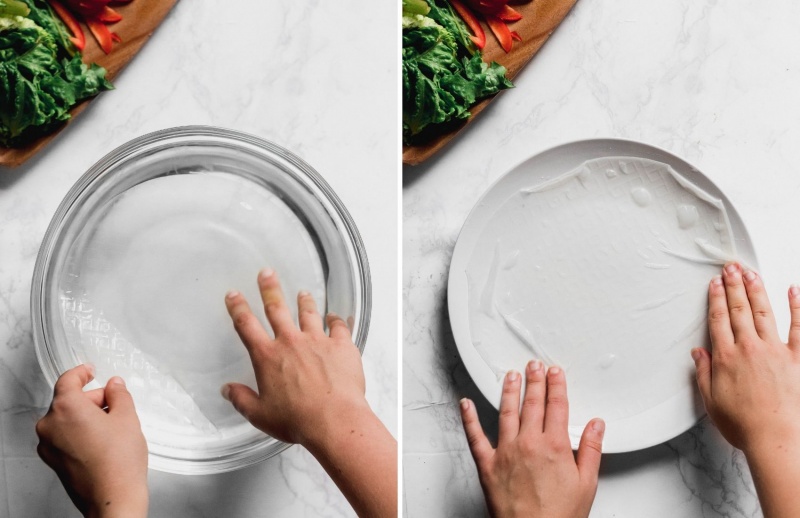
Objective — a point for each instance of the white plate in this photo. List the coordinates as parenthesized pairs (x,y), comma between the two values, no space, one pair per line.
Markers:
(643,384)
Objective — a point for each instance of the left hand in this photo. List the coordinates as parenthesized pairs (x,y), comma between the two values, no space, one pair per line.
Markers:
(533,471)
(99,455)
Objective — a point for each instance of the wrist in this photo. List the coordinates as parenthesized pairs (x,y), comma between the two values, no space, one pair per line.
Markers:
(337,424)
(127,503)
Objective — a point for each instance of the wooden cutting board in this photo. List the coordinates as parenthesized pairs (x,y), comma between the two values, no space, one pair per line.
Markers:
(139,19)
(539,19)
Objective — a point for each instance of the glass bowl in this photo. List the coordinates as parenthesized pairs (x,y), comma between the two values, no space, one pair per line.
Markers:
(133,270)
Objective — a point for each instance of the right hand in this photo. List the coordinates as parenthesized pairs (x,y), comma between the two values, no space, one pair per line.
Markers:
(309,383)
(533,471)
(750,382)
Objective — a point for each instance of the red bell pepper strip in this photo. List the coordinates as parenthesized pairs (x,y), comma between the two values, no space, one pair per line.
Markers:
(508,14)
(109,15)
(479,38)
(516,36)
(78,38)
(115,37)
(501,31)
(101,34)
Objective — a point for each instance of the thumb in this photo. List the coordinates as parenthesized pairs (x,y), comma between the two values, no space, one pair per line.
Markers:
(702,364)
(118,399)
(243,398)
(590,450)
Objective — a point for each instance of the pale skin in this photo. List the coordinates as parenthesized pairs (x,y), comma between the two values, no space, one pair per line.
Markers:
(94,442)
(750,383)
(310,392)
(533,471)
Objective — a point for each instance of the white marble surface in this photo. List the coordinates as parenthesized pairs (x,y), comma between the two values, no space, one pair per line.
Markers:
(315,77)
(714,82)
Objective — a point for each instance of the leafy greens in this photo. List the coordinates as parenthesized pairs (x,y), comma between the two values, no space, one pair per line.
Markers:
(41,75)
(443,73)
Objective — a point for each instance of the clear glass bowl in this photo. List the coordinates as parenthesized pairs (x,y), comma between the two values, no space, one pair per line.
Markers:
(91,303)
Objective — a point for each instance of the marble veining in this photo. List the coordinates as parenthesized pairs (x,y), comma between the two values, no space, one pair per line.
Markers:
(691,77)
(274,69)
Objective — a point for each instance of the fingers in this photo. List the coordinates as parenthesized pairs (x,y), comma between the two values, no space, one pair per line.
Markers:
(763,317)
(97,396)
(118,398)
(243,398)
(556,413)
(74,379)
(337,327)
(702,366)
(532,415)
(307,314)
(245,322)
(479,445)
(794,307)
(509,408)
(590,450)
(278,314)
(741,316)
(719,320)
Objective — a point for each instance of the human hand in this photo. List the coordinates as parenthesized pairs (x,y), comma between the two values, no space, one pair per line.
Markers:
(308,382)
(99,455)
(750,381)
(533,471)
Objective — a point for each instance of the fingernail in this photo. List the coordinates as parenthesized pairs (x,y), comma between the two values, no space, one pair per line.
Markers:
(116,380)
(303,293)
(331,315)
(265,274)
(750,276)
(225,390)
(716,280)
(534,365)
(554,371)
(731,268)
(513,376)
(696,354)
(464,404)
(794,291)
(599,426)
(231,294)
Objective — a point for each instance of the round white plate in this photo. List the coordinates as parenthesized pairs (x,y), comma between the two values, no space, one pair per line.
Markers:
(651,396)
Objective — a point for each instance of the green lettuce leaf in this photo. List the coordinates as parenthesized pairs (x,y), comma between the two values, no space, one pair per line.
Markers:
(39,80)
(442,75)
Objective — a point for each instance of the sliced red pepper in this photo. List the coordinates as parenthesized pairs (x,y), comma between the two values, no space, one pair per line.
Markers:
(78,38)
(501,31)
(101,34)
(508,14)
(109,15)
(516,36)
(115,37)
(479,38)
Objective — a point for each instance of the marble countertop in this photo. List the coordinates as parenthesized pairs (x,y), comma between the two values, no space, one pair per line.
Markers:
(278,70)
(712,82)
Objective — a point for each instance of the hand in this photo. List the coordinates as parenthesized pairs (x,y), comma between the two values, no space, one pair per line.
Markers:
(311,392)
(533,471)
(94,443)
(750,384)
(306,380)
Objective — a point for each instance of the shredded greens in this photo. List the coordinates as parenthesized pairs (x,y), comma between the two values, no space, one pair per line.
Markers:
(41,74)
(443,73)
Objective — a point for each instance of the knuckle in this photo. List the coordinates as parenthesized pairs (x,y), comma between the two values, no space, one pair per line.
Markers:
(593,445)
(508,412)
(243,320)
(556,399)
(737,308)
(718,315)
(530,402)
(559,446)
(762,313)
